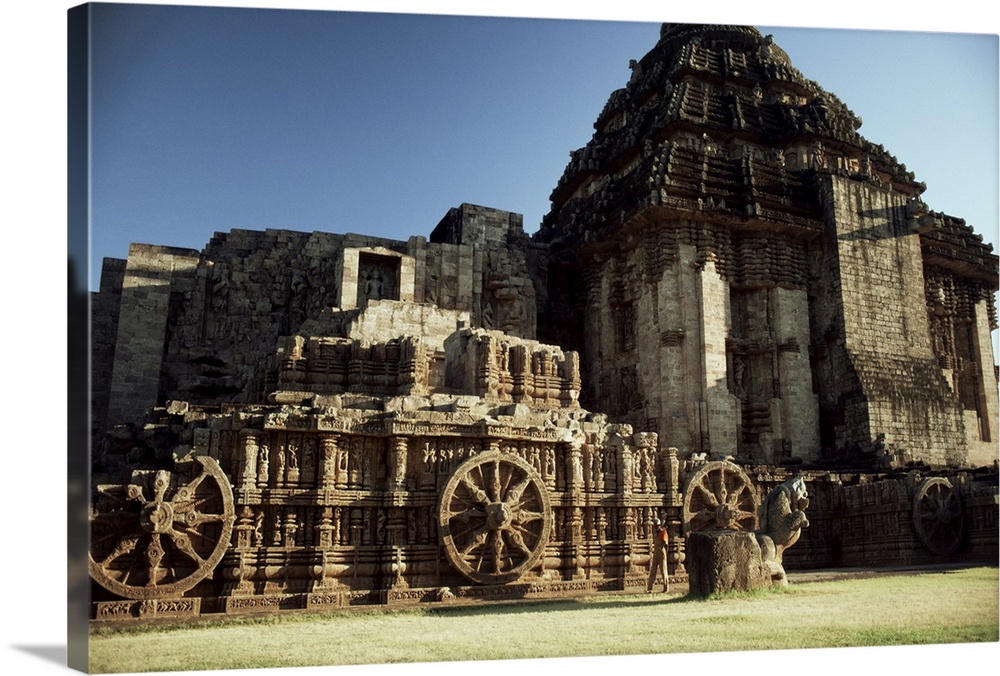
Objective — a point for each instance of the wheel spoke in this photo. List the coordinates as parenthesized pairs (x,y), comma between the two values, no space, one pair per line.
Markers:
(495,484)
(161,482)
(477,493)
(466,514)
(707,495)
(186,493)
(183,543)
(478,538)
(527,516)
(497,551)
(126,546)
(514,494)
(195,518)
(154,555)
(706,514)
(518,541)
(736,493)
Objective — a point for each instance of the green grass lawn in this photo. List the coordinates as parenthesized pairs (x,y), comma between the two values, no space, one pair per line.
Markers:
(929,608)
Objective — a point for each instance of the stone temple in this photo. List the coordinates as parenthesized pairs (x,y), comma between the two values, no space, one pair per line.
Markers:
(732,288)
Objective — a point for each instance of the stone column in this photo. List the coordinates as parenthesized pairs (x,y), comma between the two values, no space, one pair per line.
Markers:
(719,410)
(328,462)
(624,470)
(981,427)
(799,405)
(397,463)
(247,479)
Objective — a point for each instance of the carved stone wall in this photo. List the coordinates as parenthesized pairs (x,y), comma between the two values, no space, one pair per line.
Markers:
(345,504)
(494,366)
(491,249)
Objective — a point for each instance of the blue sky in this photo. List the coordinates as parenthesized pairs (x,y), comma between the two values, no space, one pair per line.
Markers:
(209,119)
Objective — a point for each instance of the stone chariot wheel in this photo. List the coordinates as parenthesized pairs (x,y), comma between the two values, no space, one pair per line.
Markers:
(719,495)
(164,532)
(937,515)
(494,518)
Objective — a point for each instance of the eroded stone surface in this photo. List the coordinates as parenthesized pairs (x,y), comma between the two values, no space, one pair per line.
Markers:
(723,560)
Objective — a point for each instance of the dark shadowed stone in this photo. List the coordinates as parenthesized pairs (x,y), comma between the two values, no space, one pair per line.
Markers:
(725,560)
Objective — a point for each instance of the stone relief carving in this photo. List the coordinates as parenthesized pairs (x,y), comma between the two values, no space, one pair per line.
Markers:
(174,539)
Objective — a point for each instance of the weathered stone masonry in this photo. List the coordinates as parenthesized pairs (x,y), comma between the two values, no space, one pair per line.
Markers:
(732,288)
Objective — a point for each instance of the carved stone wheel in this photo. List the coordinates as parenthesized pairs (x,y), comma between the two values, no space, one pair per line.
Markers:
(719,495)
(494,518)
(164,532)
(937,515)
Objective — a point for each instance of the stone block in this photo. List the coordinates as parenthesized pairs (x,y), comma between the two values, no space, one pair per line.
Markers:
(724,561)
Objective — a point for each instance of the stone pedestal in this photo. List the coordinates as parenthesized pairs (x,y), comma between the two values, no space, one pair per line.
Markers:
(725,560)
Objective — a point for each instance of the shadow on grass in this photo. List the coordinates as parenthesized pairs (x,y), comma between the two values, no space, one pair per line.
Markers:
(548,606)
(515,607)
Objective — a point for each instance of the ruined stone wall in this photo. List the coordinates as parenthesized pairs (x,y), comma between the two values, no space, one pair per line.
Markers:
(893,518)
(489,249)
(105,306)
(882,385)
(197,324)
(155,279)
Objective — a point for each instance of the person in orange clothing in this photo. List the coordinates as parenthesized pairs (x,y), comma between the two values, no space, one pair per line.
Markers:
(658,564)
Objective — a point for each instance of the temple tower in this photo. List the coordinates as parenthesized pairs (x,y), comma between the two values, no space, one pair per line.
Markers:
(745,274)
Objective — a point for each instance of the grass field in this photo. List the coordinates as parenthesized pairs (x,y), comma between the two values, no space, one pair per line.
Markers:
(928,608)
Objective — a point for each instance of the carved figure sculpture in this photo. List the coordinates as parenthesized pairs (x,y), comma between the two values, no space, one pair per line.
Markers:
(782,518)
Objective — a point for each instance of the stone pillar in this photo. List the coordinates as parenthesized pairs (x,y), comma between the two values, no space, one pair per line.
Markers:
(328,462)
(625,461)
(263,461)
(247,479)
(981,429)
(574,468)
(799,405)
(325,529)
(725,561)
(397,463)
(719,421)
(678,352)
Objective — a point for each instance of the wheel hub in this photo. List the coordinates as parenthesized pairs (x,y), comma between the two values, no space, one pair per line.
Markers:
(498,515)
(157,517)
